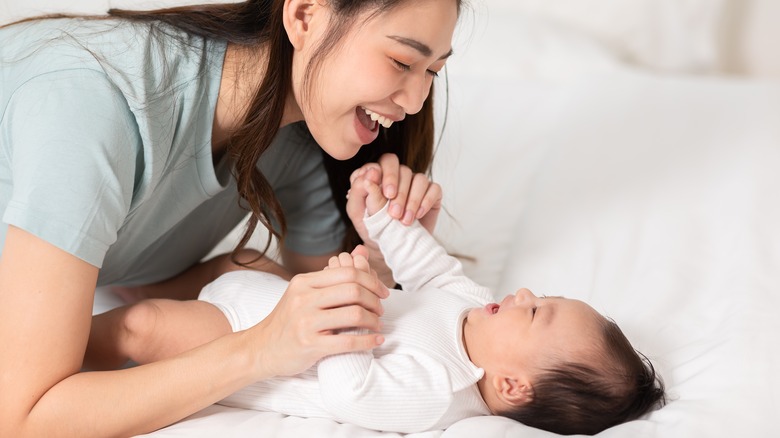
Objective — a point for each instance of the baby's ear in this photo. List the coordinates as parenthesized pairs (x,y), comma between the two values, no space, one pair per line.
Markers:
(513,391)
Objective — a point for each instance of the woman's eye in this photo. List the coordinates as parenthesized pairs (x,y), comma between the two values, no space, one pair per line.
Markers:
(401,65)
(406,67)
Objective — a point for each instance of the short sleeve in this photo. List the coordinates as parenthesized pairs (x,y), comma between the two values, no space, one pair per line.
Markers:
(73,148)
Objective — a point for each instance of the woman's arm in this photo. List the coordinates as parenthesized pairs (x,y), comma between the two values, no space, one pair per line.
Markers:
(188,284)
(45,312)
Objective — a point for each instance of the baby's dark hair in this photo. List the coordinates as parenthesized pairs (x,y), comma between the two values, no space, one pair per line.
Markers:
(578,398)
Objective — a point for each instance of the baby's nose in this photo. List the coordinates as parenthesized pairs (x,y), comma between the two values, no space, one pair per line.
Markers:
(524,295)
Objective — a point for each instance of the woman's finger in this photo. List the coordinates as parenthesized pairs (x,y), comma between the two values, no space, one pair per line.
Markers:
(417,191)
(299,330)
(348,343)
(430,207)
(340,275)
(431,201)
(348,294)
(398,205)
(346,317)
(390,175)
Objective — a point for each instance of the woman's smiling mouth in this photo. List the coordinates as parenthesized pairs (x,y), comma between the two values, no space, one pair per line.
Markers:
(367,130)
(382,120)
(365,119)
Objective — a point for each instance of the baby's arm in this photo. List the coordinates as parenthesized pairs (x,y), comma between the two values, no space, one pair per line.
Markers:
(415,257)
(395,392)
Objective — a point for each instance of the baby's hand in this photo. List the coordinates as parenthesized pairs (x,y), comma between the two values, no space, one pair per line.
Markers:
(358,259)
(365,196)
(411,196)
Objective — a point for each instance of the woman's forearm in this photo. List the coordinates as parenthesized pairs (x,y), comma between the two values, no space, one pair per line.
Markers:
(145,398)
(45,311)
(187,285)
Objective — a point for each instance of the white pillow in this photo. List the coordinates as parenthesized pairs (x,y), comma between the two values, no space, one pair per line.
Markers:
(493,44)
(664,35)
(506,70)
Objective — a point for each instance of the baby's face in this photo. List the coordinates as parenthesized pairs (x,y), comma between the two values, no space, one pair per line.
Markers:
(527,332)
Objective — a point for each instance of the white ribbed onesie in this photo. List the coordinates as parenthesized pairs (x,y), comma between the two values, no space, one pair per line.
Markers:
(419,379)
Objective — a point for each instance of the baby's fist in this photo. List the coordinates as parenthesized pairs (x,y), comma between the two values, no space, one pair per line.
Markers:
(365,196)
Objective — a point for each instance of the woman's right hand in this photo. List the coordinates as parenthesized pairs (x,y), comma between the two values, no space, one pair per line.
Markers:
(303,327)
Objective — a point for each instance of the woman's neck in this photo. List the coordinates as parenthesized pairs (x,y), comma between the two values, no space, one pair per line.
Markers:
(242,73)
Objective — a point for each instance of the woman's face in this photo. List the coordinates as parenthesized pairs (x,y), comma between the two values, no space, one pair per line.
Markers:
(381,70)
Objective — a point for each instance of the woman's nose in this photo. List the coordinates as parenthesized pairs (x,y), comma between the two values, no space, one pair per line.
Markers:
(413,92)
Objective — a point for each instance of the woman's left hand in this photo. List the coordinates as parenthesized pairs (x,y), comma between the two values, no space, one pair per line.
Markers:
(412,195)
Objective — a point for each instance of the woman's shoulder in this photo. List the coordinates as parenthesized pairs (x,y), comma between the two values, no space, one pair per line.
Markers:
(47,36)
(146,62)
(89,29)
(116,46)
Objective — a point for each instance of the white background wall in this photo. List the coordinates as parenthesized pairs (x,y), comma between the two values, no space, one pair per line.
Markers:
(747,36)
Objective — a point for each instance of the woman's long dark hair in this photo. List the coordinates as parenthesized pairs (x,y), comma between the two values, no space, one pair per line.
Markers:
(259,22)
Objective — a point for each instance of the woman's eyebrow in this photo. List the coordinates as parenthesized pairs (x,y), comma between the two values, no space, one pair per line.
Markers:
(417,45)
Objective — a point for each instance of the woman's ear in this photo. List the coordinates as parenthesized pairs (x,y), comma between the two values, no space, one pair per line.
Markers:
(297,17)
(513,391)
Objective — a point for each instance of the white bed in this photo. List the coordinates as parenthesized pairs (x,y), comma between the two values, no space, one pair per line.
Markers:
(588,161)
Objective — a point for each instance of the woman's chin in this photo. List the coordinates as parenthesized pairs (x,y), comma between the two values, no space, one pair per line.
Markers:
(342,151)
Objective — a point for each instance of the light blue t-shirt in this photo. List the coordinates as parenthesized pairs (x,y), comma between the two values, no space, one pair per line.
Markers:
(105,150)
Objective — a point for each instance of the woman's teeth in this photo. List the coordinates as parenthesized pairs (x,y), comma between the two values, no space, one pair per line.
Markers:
(384,121)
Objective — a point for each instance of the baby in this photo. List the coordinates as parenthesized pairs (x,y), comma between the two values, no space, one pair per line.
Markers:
(450,352)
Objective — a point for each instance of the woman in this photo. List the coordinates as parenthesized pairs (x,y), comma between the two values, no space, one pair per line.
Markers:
(118,137)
